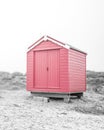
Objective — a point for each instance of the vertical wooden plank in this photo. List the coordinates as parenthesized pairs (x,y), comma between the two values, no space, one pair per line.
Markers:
(30,79)
(53,69)
(64,73)
(41,69)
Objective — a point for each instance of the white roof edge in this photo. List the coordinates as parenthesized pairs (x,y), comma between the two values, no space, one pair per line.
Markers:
(47,38)
(65,46)
(74,48)
(35,45)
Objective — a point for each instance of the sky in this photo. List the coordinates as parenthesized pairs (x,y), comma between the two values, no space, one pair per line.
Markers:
(79,23)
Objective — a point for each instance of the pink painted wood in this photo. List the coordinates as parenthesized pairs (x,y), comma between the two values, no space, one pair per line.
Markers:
(40,72)
(54,68)
(46,69)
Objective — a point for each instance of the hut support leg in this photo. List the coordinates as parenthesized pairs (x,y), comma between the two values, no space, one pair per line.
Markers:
(79,95)
(67,99)
(46,99)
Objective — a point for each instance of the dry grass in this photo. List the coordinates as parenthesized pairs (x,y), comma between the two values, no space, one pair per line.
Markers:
(19,110)
(95,81)
(91,103)
(12,81)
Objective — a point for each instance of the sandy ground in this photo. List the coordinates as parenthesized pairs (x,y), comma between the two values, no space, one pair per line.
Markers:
(19,111)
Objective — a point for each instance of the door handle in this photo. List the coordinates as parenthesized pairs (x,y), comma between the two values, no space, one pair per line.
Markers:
(47,69)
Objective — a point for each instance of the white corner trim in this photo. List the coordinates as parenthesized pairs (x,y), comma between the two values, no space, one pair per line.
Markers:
(67,46)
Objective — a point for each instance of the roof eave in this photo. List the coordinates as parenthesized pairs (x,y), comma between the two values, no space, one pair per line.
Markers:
(71,47)
(45,38)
